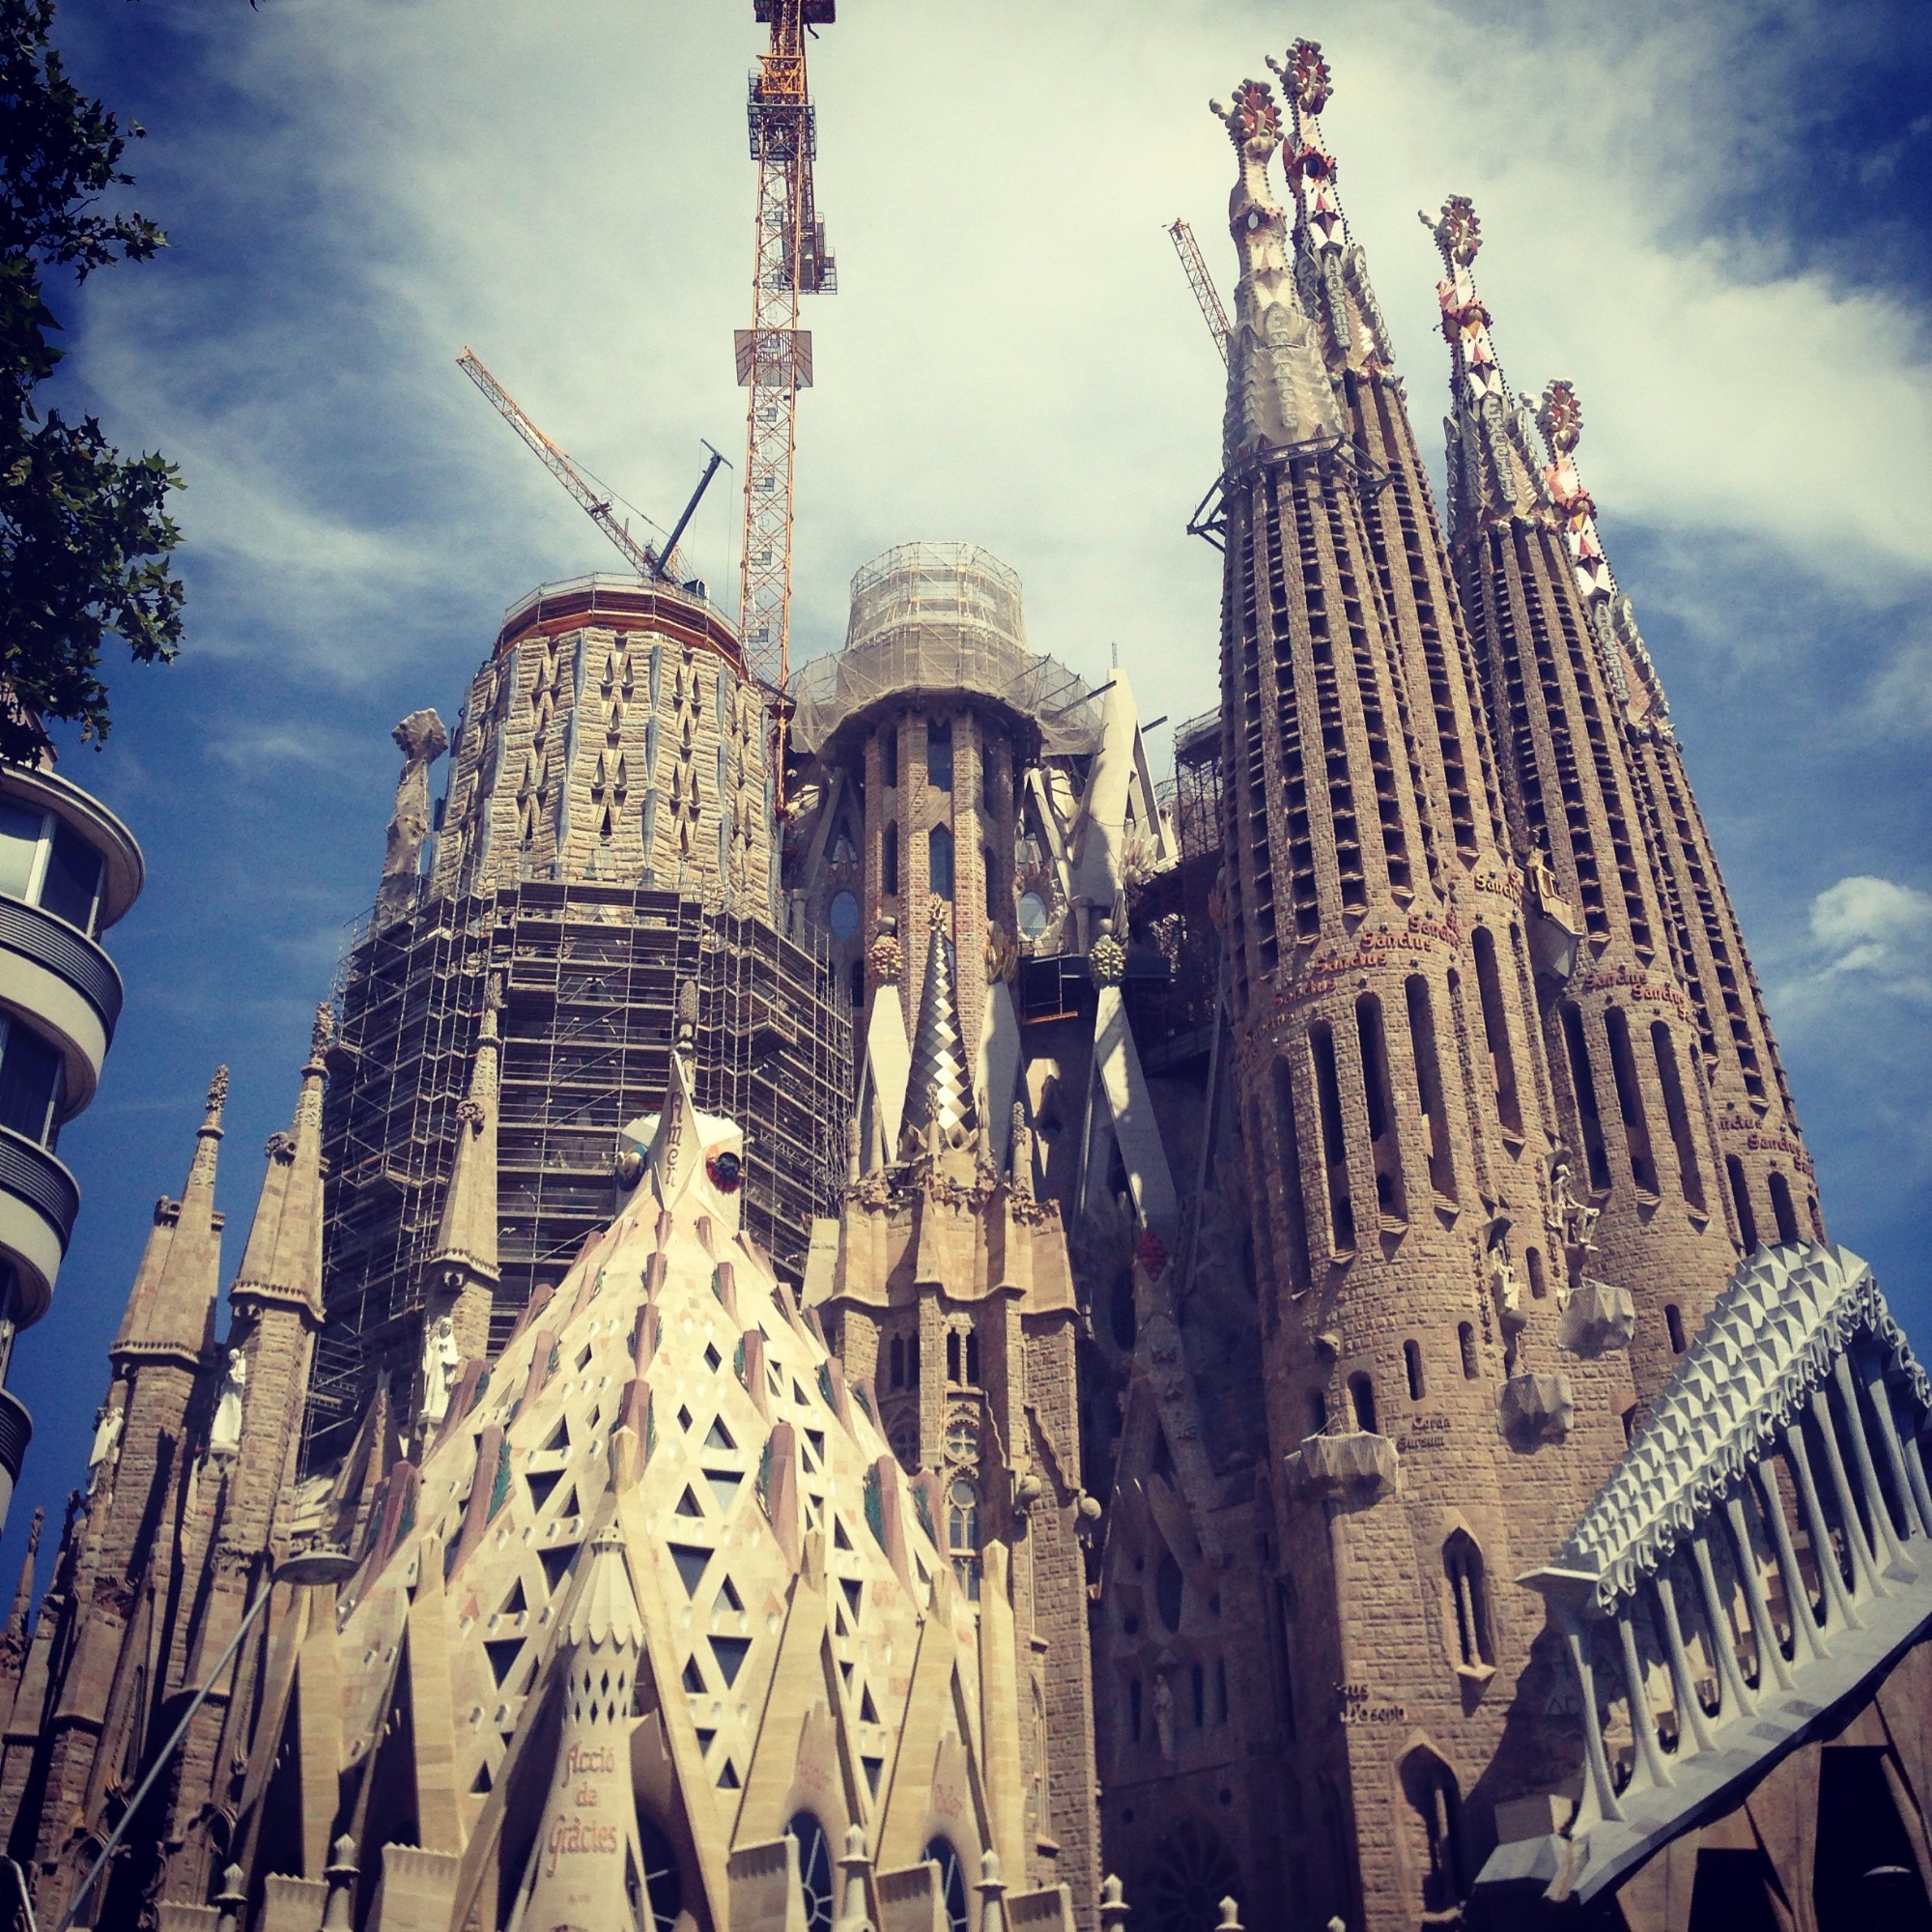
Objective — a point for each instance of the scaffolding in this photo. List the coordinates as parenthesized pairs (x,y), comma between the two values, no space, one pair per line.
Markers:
(589,975)
(1174,1020)
(941,618)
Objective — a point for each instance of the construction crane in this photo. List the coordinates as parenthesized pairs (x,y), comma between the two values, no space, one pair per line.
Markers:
(775,355)
(651,563)
(1198,279)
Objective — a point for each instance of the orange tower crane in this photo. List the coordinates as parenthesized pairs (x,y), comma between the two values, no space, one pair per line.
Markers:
(1199,281)
(775,354)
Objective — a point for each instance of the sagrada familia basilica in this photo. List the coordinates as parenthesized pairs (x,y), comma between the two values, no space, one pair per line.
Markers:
(934,1329)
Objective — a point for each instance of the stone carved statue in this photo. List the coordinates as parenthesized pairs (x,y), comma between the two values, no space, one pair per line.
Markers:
(1504,1287)
(440,1366)
(225,1438)
(108,1423)
(1543,885)
(421,740)
(1573,1219)
(1163,1718)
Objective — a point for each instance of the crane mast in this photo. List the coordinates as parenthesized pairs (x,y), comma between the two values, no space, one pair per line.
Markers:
(775,355)
(1202,283)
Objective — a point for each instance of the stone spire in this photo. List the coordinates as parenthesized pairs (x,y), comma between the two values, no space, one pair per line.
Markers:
(14,1636)
(1279,392)
(1493,473)
(467,1237)
(283,1258)
(1631,671)
(1330,270)
(939,1088)
(172,1314)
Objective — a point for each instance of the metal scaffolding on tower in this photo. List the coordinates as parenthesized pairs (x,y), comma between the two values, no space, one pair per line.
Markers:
(775,355)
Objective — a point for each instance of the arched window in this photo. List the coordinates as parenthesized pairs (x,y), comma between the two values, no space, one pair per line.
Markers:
(1430,1786)
(1287,1149)
(973,1360)
(1317,1413)
(1188,1876)
(1687,1171)
(1411,1360)
(939,862)
(814,1871)
(1362,1395)
(663,1877)
(953,1368)
(942,1853)
(1474,1646)
(1429,1087)
(903,1438)
(1466,1338)
(1629,1102)
(1781,1207)
(1334,1153)
(898,1356)
(1734,1169)
(962,1535)
(939,756)
(1673,1324)
(1379,1094)
(1170,1589)
(1496,1032)
(1582,1084)
(889,859)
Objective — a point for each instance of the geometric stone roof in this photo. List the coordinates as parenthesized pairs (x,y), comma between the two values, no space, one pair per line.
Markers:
(1769,1341)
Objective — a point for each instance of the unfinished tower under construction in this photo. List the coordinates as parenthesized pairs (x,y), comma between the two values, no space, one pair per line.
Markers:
(604,837)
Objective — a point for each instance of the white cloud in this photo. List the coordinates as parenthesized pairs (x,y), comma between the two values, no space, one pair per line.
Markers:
(1876,931)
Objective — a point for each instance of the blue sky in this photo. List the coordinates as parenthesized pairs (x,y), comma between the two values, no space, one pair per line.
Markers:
(1712,220)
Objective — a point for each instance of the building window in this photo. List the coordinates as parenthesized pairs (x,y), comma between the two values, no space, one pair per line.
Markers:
(31,1083)
(1466,1338)
(954,1373)
(1317,1413)
(1411,1360)
(1781,1207)
(973,1360)
(815,1871)
(962,1535)
(1469,1602)
(663,1877)
(1362,1396)
(1673,1324)
(1734,1172)
(942,1853)
(889,859)
(46,863)
(939,756)
(1582,1083)
(939,862)
(1430,1786)
(897,1357)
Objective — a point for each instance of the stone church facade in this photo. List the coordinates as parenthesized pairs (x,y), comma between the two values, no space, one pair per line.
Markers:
(1016,1343)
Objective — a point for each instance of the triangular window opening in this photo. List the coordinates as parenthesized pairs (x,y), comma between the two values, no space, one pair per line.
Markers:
(541,1485)
(815,1441)
(481,1781)
(873,1767)
(571,1506)
(583,1359)
(725,1487)
(730,1653)
(690,1564)
(845,1671)
(704,1738)
(515,1603)
(869,1712)
(688,1505)
(503,1653)
(727,1778)
(684,1420)
(728,1596)
(720,1437)
(840,1540)
(803,1401)
(560,1436)
(556,1561)
(713,1360)
(853,1589)
(694,1682)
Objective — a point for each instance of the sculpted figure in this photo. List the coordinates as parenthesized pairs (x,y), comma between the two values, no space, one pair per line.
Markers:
(440,1366)
(225,1438)
(421,740)
(108,1423)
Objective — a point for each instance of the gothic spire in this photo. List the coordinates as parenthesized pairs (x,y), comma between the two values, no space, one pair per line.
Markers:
(939,1091)
(1494,474)
(1330,270)
(1561,421)
(15,1632)
(467,1232)
(172,1312)
(1279,391)
(283,1258)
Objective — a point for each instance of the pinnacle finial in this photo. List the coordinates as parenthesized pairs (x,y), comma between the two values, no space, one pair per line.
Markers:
(1254,121)
(687,1015)
(322,1032)
(1560,419)
(1305,79)
(217,1098)
(1458,233)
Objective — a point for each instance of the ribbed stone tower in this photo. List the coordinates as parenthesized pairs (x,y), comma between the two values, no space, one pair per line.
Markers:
(1621,1029)
(1430,1432)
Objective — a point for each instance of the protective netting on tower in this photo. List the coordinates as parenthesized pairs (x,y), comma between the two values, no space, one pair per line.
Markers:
(941,617)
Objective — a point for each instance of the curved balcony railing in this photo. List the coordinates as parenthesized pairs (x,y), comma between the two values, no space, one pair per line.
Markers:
(16,1429)
(55,944)
(32,1175)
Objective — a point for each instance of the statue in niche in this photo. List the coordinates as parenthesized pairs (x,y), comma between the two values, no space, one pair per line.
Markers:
(421,740)
(1163,1718)
(1504,1287)
(1543,884)
(442,1364)
(1572,1218)
(108,1423)
(225,1438)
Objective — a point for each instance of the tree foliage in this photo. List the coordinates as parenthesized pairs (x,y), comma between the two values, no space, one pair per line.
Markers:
(84,533)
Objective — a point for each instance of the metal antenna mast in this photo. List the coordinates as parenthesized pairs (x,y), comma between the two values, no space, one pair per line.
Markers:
(1199,281)
(775,355)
